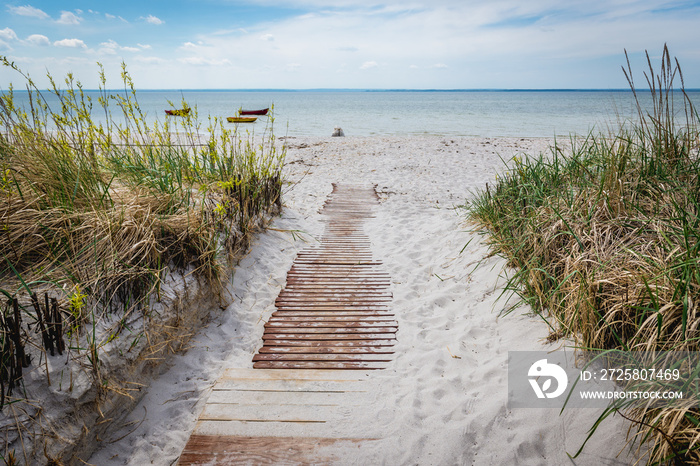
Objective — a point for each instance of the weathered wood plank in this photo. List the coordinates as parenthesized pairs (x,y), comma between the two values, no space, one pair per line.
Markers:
(327,349)
(279,335)
(329,330)
(336,306)
(344,314)
(337,343)
(345,365)
(336,357)
(205,449)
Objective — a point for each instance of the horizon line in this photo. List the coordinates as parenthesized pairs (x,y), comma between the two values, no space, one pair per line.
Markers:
(343,89)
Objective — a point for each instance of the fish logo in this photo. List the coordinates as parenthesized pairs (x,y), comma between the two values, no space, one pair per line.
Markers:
(542,369)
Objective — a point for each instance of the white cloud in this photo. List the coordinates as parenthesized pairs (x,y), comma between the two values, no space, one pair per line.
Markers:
(28,10)
(108,48)
(38,39)
(114,17)
(112,44)
(7,34)
(4,45)
(202,61)
(414,43)
(150,60)
(111,47)
(69,18)
(457,43)
(70,43)
(150,19)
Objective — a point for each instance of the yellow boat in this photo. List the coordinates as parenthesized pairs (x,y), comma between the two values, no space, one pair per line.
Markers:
(241,119)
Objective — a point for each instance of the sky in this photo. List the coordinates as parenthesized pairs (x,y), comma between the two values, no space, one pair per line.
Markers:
(357,44)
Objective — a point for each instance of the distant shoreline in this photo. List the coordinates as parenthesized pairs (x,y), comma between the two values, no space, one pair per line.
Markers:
(350,90)
(369,112)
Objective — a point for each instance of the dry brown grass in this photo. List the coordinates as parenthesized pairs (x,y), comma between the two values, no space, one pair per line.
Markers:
(605,240)
(97,216)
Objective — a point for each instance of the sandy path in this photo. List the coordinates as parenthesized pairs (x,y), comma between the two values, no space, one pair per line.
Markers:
(443,400)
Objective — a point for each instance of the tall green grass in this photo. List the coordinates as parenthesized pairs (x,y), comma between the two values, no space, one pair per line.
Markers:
(94,211)
(604,241)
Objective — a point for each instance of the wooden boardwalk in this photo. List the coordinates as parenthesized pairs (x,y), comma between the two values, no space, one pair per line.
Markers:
(335,312)
(295,406)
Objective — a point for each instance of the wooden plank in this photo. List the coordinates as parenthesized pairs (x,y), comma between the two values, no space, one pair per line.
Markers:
(275,413)
(337,272)
(331,307)
(338,287)
(238,374)
(230,390)
(337,357)
(293,294)
(332,289)
(327,322)
(272,399)
(322,314)
(320,291)
(330,324)
(276,330)
(355,252)
(333,301)
(335,263)
(344,365)
(333,343)
(327,349)
(337,297)
(331,336)
(205,449)
(330,318)
(263,429)
(340,277)
(368,284)
(344,264)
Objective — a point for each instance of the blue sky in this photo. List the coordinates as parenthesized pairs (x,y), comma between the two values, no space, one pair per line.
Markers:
(379,44)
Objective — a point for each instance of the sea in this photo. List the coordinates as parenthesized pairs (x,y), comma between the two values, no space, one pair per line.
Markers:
(484,113)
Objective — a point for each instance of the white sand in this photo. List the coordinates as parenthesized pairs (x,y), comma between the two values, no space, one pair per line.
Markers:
(443,400)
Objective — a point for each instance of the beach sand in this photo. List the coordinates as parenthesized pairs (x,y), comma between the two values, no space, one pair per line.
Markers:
(443,400)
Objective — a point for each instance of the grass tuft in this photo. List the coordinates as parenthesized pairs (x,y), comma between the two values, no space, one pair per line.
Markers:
(93,215)
(604,239)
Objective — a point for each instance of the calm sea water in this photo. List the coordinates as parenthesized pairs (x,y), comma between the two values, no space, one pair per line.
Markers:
(453,113)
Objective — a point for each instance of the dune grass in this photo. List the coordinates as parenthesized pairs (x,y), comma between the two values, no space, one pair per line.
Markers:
(604,239)
(94,214)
